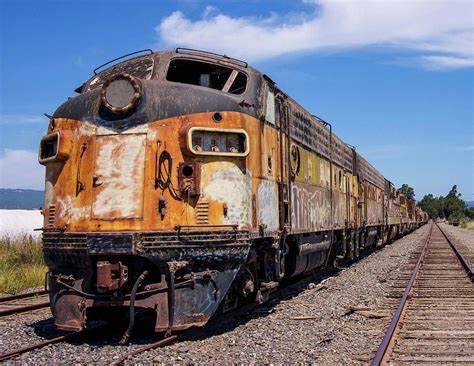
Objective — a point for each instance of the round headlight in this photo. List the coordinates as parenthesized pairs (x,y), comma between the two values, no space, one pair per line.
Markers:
(120,93)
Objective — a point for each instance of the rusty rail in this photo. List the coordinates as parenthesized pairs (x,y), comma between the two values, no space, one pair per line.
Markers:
(160,343)
(68,337)
(464,261)
(387,339)
(23,296)
(394,330)
(24,309)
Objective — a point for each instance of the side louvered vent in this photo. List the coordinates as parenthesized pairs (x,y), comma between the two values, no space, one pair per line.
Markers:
(202,213)
(51,215)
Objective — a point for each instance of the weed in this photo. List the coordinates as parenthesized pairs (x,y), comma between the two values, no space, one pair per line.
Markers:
(21,264)
(468,225)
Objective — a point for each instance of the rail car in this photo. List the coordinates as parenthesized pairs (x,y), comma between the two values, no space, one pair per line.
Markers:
(187,183)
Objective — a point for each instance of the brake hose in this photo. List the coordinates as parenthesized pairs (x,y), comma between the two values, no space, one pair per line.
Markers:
(131,322)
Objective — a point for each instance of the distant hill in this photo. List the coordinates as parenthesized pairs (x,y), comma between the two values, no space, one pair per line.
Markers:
(469,203)
(20,199)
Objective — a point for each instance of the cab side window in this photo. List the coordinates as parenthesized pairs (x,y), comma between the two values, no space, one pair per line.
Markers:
(270,106)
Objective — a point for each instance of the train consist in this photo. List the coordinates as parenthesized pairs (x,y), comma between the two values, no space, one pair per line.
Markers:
(187,183)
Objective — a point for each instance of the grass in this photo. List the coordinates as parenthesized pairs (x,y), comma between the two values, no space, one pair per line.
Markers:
(468,225)
(21,264)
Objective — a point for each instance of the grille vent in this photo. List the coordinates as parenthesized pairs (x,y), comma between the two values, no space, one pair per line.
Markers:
(51,215)
(202,213)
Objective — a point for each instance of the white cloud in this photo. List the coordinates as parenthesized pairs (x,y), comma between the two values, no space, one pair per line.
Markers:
(20,169)
(21,119)
(441,31)
(209,10)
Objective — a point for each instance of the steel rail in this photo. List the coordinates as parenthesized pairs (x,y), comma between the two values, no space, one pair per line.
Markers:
(68,337)
(160,343)
(387,339)
(23,296)
(464,261)
(24,309)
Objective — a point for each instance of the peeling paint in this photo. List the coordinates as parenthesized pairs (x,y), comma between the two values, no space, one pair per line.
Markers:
(119,174)
(267,196)
(223,181)
(311,209)
(69,212)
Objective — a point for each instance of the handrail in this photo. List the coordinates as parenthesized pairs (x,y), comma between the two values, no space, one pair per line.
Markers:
(118,58)
(227,58)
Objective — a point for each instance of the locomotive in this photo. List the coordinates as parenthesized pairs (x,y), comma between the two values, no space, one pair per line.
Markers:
(186,183)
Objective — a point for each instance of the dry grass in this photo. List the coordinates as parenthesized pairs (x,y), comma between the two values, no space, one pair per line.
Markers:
(468,225)
(21,264)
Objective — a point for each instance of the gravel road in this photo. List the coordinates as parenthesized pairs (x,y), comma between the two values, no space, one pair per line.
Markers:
(272,333)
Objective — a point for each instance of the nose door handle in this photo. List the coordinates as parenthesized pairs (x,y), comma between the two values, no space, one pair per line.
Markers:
(96,182)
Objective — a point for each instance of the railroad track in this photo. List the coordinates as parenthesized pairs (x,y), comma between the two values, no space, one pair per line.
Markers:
(285,291)
(22,303)
(434,321)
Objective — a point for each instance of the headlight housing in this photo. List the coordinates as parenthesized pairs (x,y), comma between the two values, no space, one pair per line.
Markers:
(121,93)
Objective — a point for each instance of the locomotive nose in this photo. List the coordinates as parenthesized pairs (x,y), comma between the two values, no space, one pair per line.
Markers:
(121,93)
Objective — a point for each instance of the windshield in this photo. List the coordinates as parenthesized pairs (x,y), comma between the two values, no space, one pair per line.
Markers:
(140,67)
(207,75)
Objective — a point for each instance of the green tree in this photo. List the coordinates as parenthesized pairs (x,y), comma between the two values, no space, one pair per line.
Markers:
(469,211)
(454,206)
(431,205)
(407,191)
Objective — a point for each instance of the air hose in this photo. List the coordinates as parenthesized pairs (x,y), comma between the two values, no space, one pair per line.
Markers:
(131,322)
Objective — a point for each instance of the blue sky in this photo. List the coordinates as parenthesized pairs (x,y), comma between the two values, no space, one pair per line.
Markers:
(394,78)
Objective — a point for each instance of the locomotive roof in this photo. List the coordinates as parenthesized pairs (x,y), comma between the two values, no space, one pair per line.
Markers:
(188,54)
(342,151)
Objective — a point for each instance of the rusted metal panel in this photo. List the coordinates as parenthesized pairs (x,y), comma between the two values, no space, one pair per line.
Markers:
(311,210)
(118,178)
(110,276)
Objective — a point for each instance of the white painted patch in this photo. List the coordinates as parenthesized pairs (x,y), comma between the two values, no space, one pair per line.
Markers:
(66,210)
(226,183)
(90,130)
(267,198)
(102,131)
(120,164)
(87,129)
(48,190)
(152,135)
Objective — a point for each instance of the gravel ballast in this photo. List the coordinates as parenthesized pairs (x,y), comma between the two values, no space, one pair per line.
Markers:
(313,326)
(461,236)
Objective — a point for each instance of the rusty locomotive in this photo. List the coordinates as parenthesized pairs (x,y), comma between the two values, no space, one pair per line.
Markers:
(186,183)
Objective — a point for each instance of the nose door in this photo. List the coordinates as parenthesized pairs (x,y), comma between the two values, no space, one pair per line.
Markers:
(118,178)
